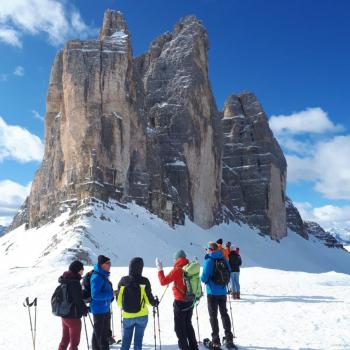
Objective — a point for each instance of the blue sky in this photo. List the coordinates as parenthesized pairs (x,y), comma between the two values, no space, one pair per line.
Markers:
(294,55)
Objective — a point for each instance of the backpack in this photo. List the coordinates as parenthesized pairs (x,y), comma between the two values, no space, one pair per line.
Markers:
(221,273)
(87,285)
(60,301)
(192,281)
(132,302)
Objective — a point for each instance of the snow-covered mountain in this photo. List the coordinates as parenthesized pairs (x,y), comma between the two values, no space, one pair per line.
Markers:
(294,279)
(342,235)
(122,231)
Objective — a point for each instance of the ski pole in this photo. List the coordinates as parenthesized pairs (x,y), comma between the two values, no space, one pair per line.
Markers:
(29,305)
(35,313)
(154,328)
(86,335)
(199,337)
(233,327)
(161,298)
(160,341)
(112,321)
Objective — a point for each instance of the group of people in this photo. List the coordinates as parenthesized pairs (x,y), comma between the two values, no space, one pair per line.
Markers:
(134,296)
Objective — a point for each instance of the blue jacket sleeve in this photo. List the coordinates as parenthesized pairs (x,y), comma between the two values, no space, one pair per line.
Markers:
(97,283)
(207,268)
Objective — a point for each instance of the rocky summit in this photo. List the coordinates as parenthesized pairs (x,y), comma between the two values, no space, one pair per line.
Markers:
(147,129)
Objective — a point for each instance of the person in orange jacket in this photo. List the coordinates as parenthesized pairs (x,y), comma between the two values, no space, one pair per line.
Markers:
(183,309)
(227,250)
(221,249)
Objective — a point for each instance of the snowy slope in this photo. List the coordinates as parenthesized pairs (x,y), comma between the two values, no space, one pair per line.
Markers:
(122,231)
(280,309)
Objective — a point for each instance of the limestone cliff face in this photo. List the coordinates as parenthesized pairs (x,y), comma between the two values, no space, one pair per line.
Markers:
(93,130)
(183,125)
(148,129)
(254,167)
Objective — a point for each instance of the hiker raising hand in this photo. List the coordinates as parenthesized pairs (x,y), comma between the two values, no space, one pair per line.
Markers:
(183,308)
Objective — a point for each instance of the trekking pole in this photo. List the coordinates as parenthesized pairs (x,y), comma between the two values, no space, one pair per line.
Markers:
(29,305)
(112,317)
(35,313)
(199,337)
(154,328)
(92,324)
(86,335)
(161,298)
(160,341)
(233,327)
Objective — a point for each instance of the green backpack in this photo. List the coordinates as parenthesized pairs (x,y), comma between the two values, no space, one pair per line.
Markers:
(192,281)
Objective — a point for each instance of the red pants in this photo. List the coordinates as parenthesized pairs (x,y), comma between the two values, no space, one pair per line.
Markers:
(71,328)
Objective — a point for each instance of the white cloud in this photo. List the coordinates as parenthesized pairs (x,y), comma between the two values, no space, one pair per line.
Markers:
(12,196)
(9,35)
(19,144)
(328,216)
(37,115)
(59,20)
(311,120)
(328,168)
(19,71)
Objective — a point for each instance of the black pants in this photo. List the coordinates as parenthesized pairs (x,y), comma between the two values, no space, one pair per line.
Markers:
(100,336)
(183,325)
(216,302)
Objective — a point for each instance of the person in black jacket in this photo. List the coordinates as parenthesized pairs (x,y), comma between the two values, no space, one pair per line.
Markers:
(71,324)
(133,295)
(235,261)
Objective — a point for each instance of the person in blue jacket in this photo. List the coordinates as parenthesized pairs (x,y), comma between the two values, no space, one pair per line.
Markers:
(101,298)
(217,296)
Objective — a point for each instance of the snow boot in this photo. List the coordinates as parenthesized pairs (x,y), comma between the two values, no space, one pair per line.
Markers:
(238,295)
(228,343)
(211,345)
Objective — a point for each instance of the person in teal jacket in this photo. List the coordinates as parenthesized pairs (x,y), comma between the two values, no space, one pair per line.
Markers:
(216,298)
(101,298)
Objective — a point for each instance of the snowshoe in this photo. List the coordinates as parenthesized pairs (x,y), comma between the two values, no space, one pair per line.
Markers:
(228,344)
(111,341)
(210,345)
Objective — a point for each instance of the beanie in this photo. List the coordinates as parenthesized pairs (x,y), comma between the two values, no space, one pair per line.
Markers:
(179,254)
(228,244)
(219,241)
(102,259)
(213,246)
(76,266)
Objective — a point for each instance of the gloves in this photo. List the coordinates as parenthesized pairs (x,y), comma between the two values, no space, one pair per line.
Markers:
(159,264)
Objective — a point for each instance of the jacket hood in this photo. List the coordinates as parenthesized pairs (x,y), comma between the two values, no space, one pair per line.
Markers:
(216,255)
(98,269)
(136,267)
(180,262)
(69,276)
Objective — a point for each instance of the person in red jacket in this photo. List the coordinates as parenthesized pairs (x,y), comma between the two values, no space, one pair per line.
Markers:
(183,309)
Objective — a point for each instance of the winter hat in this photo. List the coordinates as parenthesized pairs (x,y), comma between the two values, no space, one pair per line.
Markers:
(219,241)
(213,246)
(228,244)
(179,254)
(136,266)
(76,266)
(102,259)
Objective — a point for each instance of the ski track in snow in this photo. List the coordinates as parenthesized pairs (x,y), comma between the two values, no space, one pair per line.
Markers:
(295,294)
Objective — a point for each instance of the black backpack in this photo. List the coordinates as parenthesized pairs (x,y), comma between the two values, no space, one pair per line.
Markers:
(87,286)
(221,273)
(131,299)
(60,301)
